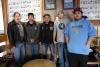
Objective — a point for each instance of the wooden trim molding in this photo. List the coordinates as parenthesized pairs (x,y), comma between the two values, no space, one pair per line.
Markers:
(4,7)
(3,38)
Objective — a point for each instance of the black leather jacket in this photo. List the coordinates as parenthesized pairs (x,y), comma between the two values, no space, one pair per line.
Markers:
(32,32)
(13,33)
(46,32)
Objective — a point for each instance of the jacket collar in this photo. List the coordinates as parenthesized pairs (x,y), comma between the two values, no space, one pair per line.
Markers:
(14,22)
(48,22)
(34,23)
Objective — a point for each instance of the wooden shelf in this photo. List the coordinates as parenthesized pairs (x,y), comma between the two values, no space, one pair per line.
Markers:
(97,45)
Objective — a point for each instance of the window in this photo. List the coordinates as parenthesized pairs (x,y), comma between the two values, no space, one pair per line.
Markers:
(1,19)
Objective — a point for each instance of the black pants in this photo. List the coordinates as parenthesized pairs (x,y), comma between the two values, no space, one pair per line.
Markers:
(77,60)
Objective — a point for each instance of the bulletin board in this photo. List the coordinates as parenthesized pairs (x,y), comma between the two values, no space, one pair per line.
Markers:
(24,7)
(91,9)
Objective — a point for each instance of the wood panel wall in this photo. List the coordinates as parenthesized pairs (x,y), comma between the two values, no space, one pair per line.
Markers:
(4,8)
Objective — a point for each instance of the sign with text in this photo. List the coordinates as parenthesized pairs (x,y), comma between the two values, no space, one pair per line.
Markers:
(24,7)
(91,8)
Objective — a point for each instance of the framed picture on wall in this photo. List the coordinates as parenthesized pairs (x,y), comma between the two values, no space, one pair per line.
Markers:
(68,4)
(49,4)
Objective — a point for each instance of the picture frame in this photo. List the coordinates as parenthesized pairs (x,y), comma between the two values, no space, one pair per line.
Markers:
(68,4)
(49,4)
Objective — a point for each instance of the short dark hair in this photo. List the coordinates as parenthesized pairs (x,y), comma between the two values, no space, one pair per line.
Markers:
(15,13)
(31,14)
(46,15)
(77,9)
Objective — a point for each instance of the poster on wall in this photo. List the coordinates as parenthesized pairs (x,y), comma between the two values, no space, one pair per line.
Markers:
(68,4)
(24,7)
(91,9)
(49,4)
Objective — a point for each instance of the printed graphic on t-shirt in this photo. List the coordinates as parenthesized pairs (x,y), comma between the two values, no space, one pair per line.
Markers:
(61,26)
(77,28)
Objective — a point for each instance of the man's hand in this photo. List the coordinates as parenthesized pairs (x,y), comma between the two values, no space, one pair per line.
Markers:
(55,59)
(88,45)
(54,42)
(89,42)
(9,47)
(9,51)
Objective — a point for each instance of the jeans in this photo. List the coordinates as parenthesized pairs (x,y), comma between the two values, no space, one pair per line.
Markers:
(51,47)
(66,63)
(35,49)
(60,48)
(32,50)
(19,52)
(29,51)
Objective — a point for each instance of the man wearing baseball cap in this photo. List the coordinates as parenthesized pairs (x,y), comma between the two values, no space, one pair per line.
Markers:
(79,35)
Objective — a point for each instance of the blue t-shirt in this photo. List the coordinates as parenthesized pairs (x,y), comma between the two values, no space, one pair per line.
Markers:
(78,33)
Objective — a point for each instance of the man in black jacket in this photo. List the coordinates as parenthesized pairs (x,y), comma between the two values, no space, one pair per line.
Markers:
(46,35)
(32,35)
(16,37)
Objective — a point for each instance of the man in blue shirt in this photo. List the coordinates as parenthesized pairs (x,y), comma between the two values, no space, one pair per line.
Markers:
(79,34)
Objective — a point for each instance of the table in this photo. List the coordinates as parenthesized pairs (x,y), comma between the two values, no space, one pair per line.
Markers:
(39,63)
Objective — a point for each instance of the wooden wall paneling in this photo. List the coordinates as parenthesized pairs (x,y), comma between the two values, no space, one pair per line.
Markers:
(78,3)
(3,38)
(4,10)
(4,6)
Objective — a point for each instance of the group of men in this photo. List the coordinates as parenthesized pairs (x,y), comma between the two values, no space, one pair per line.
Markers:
(68,40)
